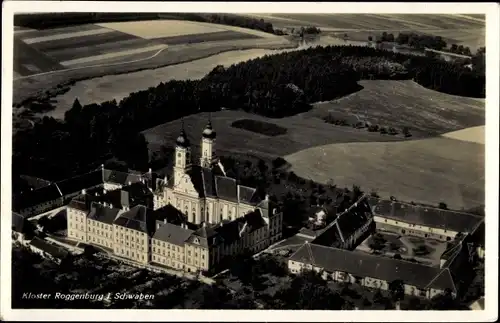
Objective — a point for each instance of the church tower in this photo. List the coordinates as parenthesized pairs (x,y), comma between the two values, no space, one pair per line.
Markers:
(182,156)
(208,157)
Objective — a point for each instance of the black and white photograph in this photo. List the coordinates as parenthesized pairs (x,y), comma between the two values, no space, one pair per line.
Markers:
(218,156)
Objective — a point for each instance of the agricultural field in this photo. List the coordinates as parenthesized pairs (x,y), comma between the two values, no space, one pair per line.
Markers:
(45,59)
(468,30)
(86,44)
(472,134)
(426,171)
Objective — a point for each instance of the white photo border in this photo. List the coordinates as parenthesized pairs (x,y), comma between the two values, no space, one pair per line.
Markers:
(491,11)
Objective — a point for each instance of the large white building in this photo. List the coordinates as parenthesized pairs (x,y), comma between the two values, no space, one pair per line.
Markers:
(203,192)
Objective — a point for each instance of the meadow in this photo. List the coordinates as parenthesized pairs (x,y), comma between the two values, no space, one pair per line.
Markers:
(405,104)
(426,171)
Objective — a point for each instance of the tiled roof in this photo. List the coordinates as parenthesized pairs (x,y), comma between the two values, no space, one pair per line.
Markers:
(169,214)
(226,188)
(206,236)
(353,219)
(18,222)
(172,233)
(247,195)
(137,193)
(432,217)
(208,182)
(32,198)
(137,219)
(103,214)
(195,173)
(56,252)
(330,237)
(366,265)
(80,182)
(229,231)
(121,178)
(35,182)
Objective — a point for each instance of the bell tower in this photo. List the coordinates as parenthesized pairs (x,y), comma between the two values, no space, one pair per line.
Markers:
(208,157)
(182,156)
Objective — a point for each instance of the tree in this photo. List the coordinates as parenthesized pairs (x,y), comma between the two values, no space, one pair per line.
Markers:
(443,206)
(396,287)
(443,301)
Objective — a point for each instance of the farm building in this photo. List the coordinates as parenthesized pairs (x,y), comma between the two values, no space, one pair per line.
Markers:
(349,227)
(423,221)
(372,271)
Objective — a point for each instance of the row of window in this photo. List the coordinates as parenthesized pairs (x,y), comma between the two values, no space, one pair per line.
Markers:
(168,262)
(131,245)
(162,243)
(131,254)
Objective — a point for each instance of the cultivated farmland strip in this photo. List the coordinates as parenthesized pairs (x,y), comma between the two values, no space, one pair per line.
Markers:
(84,41)
(32,33)
(103,48)
(199,38)
(25,55)
(66,35)
(111,55)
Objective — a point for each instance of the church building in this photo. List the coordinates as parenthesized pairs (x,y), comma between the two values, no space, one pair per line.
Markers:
(202,191)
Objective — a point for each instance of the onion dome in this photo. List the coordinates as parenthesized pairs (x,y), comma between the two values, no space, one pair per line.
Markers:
(209,132)
(182,140)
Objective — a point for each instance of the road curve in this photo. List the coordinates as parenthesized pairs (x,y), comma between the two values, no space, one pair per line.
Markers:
(90,66)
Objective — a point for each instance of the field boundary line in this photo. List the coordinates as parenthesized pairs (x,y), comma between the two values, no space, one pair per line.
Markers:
(91,66)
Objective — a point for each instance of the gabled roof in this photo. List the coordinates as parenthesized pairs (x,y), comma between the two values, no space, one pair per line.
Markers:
(205,235)
(54,251)
(428,216)
(137,218)
(103,214)
(32,198)
(247,195)
(350,221)
(208,182)
(366,265)
(169,214)
(226,188)
(80,182)
(35,182)
(172,233)
(120,178)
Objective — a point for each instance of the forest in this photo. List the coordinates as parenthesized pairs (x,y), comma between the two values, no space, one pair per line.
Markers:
(274,86)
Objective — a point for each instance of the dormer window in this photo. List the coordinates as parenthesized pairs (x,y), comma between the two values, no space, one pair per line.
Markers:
(196,240)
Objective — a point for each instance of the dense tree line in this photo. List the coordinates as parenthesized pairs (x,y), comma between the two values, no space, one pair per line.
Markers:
(420,41)
(273,86)
(53,20)
(62,19)
(460,49)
